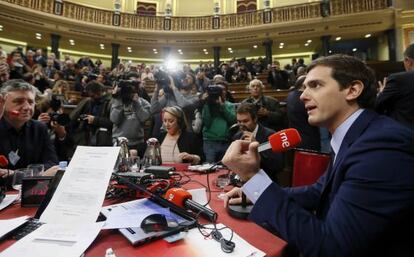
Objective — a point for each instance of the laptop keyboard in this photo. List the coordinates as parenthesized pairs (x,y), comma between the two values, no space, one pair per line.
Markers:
(30,226)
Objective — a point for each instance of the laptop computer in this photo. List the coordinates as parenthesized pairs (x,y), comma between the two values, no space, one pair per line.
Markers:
(137,235)
(34,223)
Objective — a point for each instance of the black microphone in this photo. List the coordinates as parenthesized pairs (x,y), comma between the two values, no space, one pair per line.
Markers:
(182,198)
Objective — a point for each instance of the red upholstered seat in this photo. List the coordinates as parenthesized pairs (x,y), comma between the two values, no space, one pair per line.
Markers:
(308,166)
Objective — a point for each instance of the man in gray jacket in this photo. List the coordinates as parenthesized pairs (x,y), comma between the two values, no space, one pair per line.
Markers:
(128,114)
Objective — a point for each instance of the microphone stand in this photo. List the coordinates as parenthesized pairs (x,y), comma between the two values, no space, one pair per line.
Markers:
(240,211)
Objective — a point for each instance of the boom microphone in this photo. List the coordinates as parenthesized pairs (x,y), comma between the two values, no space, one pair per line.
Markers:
(182,198)
(281,141)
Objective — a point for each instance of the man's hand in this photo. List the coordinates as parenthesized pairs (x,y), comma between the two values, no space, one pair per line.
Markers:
(233,197)
(51,171)
(262,112)
(44,117)
(90,118)
(59,130)
(381,85)
(191,158)
(248,136)
(243,158)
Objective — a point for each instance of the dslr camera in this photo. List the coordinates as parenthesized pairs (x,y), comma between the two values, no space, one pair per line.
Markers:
(61,118)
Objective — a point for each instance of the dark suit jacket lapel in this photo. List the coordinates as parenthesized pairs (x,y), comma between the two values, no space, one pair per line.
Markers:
(335,173)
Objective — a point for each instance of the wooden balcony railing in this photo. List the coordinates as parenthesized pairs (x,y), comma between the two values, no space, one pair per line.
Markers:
(297,12)
(341,7)
(229,21)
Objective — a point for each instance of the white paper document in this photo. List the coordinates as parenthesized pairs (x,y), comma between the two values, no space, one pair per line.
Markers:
(55,240)
(210,247)
(81,192)
(8,199)
(199,195)
(8,225)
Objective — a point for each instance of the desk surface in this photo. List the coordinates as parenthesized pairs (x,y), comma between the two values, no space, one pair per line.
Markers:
(249,231)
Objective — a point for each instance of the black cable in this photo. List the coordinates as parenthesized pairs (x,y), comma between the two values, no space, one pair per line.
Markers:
(227,246)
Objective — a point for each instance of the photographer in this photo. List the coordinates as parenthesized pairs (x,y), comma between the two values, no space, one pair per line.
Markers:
(17,65)
(51,114)
(128,114)
(166,94)
(90,119)
(218,115)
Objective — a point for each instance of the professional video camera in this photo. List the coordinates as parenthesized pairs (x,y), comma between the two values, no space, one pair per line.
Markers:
(127,89)
(162,78)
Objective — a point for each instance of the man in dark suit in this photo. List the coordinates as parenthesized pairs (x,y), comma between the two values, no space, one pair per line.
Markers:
(250,130)
(397,97)
(363,204)
(269,113)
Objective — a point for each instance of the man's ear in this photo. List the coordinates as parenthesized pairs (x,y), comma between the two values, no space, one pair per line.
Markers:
(354,90)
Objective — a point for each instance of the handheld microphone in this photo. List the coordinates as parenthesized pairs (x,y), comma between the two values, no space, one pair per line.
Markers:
(182,198)
(281,141)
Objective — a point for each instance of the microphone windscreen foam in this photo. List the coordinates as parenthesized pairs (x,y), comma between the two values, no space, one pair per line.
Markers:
(284,140)
(3,161)
(177,196)
(14,113)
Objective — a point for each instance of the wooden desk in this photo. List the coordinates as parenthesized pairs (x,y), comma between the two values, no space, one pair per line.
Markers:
(252,233)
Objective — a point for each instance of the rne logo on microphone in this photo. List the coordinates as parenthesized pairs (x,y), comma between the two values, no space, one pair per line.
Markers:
(285,141)
(170,197)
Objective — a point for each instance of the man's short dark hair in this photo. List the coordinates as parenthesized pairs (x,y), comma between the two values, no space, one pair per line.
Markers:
(94,87)
(347,69)
(409,51)
(248,108)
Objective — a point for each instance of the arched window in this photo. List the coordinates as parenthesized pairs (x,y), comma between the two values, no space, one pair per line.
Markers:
(246,6)
(146,9)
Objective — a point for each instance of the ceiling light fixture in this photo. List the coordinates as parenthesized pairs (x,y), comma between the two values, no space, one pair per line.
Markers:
(354,50)
(306,44)
(1,27)
(338,38)
(309,41)
(229,49)
(205,50)
(282,44)
(255,46)
(367,35)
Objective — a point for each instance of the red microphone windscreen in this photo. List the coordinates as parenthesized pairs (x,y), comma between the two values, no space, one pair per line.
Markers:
(3,161)
(177,196)
(284,140)
(14,113)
